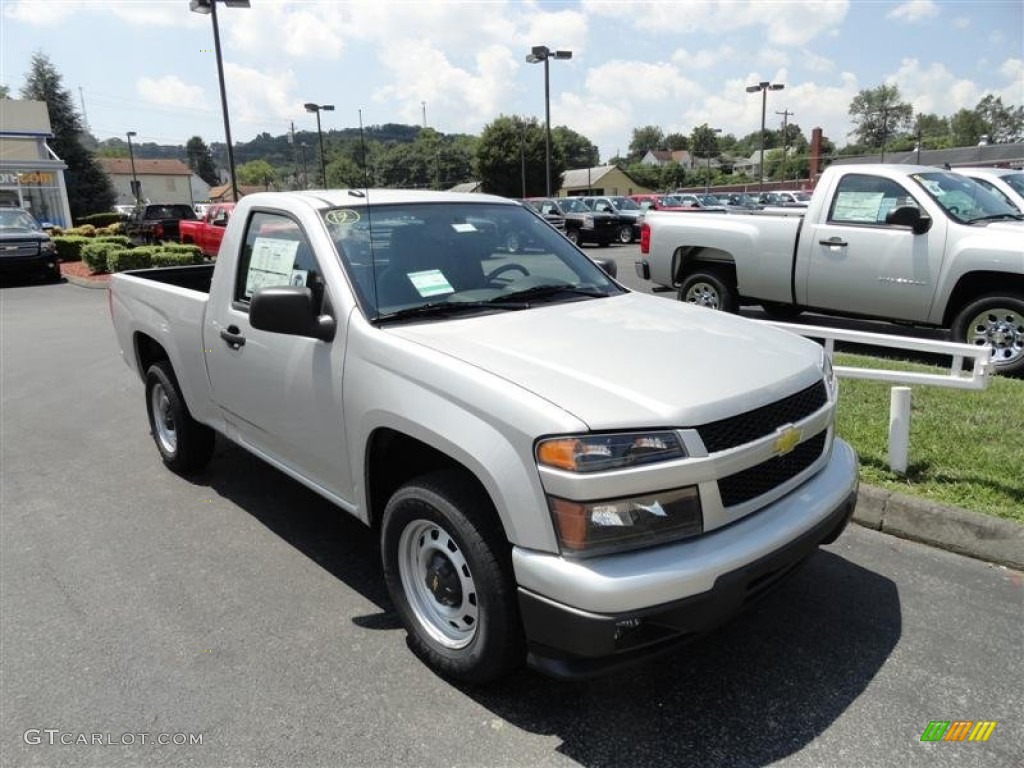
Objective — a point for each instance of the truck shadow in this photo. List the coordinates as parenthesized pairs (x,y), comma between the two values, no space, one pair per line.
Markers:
(761,688)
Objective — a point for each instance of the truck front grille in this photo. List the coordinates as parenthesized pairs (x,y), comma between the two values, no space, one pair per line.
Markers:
(749,426)
(19,249)
(754,481)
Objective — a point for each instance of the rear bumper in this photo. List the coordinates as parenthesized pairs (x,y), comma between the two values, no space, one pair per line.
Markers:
(569,642)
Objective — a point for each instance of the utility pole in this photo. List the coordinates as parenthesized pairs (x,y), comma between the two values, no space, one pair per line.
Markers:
(785,138)
(424,105)
(85,117)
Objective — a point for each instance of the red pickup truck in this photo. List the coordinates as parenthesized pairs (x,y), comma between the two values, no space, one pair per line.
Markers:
(208,231)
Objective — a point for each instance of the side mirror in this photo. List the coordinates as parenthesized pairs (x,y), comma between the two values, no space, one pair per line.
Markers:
(288,309)
(909,216)
(610,266)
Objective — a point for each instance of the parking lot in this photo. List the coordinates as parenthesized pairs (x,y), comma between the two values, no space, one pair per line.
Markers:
(245,609)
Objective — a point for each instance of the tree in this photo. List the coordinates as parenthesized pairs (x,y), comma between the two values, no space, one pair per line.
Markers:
(967,127)
(200,160)
(645,139)
(934,131)
(879,115)
(577,149)
(1005,124)
(256,173)
(676,142)
(5,92)
(503,145)
(89,188)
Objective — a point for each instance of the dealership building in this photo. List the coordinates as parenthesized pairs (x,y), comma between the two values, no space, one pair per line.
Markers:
(31,175)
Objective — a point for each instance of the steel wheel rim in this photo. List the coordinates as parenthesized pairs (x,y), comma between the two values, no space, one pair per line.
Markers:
(703,295)
(1000,329)
(625,235)
(452,626)
(163,419)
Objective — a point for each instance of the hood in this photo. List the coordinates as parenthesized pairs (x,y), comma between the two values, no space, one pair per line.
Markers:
(632,360)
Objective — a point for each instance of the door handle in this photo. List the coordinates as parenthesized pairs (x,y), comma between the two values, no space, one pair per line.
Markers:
(833,241)
(232,336)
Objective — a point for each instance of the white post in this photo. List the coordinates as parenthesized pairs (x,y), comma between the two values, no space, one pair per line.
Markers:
(899,429)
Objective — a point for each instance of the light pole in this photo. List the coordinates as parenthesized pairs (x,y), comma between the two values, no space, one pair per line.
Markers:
(305,168)
(785,139)
(311,107)
(522,155)
(131,156)
(210,7)
(538,54)
(707,183)
(763,87)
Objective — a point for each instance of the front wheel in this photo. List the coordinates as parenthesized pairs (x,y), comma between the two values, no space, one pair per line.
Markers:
(448,569)
(185,445)
(709,288)
(573,235)
(995,321)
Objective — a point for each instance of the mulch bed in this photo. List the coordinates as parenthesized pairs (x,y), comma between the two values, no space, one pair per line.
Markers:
(80,269)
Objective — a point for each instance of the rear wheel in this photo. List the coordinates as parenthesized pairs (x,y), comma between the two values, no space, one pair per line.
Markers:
(710,288)
(995,321)
(626,234)
(448,569)
(185,445)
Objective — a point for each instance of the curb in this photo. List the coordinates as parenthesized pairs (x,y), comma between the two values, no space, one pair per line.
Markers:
(992,539)
(85,283)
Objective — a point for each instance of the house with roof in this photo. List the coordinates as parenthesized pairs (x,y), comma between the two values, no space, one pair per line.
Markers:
(224,194)
(599,180)
(160,181)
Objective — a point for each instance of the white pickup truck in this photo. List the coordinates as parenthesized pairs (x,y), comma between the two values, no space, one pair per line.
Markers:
(561,471)
(909,244)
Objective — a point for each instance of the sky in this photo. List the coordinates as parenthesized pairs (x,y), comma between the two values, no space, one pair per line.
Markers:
(149,65)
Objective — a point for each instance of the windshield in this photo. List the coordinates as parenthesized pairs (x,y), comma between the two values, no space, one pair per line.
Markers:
(625,204)
(1016,181)
(407,260)
(574,205)
(710,200)
(962,198)
(12,218)
(170,211)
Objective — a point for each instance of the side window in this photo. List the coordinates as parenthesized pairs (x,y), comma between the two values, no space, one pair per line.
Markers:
(863,199)
(276,252)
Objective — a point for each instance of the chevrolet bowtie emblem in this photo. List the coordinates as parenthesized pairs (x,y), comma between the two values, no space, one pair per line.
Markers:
(788,438)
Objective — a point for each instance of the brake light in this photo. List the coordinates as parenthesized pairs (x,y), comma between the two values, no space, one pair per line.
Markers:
(645,238)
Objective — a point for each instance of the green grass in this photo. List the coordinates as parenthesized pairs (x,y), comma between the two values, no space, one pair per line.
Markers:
(966,447)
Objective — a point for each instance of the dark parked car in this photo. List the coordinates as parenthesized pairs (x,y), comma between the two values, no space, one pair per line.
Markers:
(548,208)
(24,246)
(629,212)
(157,222)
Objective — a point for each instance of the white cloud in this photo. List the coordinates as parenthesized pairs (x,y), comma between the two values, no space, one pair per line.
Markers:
(606,122)
(772,58)
(933,88)
(301,30)
(913,11)
(640,81)
(132,11)
(812,62)
(704,58)
(961,22)
(171,91)
(260,98)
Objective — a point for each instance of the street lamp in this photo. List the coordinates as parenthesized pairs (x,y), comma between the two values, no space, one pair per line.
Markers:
(210,7)
(311,107)
(538,54)
(707,182)
(131,155)
(763,87)
(305,169)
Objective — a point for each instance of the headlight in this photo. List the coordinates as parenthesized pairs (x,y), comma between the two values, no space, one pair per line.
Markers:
(601,452)
(48,246)
(597,527)
(588,222)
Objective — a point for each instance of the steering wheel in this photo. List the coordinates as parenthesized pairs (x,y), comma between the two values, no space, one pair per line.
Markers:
(507,268)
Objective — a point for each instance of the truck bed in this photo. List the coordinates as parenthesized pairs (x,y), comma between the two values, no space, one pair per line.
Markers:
(194,277)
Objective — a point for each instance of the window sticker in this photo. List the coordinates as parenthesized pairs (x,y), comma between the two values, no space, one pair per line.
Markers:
(271,263)
(299,278)
(464,227)
(430,282)
(345,216)
(857,206)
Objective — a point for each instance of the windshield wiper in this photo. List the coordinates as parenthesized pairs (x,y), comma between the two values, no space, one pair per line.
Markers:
(544,291)
(998,216)
(442,308)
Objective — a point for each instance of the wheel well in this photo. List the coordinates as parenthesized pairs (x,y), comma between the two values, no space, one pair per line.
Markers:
(147,352)
(975,284)
(691,258)
(393,458)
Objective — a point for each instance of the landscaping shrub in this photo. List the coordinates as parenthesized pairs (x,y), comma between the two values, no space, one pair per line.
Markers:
(120,259)
(168,258)
(86,230)
(100,219)
(184,248)
(95,255)
(123,240)
(69,247)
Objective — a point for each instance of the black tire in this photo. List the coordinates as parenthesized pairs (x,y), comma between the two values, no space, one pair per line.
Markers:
(185,445)
(997,321)
(712,288)
(448,568)
(781,311)
(625,234)
(574,236)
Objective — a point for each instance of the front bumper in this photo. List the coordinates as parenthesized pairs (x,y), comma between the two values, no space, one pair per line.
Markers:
(37,264)
(713,577)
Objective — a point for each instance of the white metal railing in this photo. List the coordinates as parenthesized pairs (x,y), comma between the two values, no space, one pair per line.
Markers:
(899,403)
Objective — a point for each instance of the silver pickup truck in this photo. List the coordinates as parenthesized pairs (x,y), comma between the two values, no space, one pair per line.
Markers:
(911,244)
(561,471)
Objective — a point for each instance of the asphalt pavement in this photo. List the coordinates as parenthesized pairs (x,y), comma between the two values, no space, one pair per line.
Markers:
(242,610)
